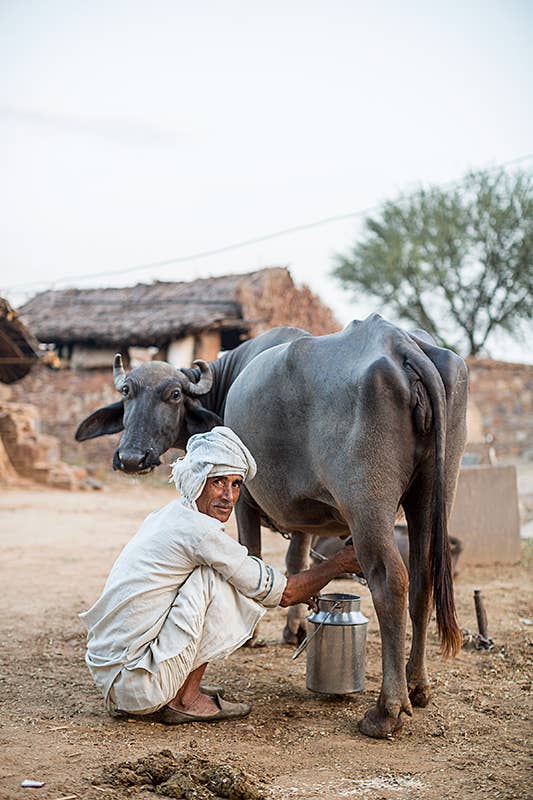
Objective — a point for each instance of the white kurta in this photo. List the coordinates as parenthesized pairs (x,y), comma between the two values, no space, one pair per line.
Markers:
(181,593)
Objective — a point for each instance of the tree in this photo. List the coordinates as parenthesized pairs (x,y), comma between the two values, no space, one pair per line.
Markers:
(457,263)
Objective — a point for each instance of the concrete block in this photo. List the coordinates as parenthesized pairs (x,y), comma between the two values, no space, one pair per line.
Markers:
(485,516)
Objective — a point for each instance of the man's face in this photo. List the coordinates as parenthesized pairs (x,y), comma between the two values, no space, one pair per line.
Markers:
(219,496)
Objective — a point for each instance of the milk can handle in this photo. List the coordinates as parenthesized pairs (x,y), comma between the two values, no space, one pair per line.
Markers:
(308,639)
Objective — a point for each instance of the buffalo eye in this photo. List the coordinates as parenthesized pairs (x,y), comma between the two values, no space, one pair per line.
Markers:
(125,391)
(175,394)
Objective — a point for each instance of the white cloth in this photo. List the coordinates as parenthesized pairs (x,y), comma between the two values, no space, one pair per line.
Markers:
(148,615)
(217,452)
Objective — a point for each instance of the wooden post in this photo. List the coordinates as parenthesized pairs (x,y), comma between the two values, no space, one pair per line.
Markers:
(481,614)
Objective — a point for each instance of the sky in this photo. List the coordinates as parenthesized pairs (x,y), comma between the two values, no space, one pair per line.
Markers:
(133,134)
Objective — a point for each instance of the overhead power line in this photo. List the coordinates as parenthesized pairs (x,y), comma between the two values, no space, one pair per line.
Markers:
(206,253)
(254,240)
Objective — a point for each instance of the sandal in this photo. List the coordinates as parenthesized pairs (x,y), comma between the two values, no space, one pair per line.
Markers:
(226,710)
(212,691)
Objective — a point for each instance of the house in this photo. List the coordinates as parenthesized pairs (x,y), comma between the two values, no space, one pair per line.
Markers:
(25,452)
(176,322)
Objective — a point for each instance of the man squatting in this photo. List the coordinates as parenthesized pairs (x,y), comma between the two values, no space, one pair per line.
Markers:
(183,593)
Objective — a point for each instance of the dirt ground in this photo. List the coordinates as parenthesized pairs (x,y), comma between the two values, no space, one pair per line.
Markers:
(56,550)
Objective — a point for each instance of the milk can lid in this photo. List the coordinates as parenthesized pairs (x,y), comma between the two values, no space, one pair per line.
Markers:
(338,608)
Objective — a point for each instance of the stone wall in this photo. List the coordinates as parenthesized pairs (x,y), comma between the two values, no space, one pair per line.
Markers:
(269,298)
(63,398)
(25,452)
(501,408)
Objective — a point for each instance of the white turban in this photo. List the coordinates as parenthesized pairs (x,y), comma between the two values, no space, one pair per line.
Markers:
(217,452)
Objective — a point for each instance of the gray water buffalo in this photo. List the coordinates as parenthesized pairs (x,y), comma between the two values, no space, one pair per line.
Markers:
(345,428)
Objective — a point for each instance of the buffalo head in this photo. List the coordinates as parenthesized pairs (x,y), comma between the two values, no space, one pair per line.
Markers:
(159,408)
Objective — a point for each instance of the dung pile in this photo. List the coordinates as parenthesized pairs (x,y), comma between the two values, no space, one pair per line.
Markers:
(187,776)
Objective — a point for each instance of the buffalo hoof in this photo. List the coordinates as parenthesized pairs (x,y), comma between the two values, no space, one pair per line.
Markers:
(419,695)
(294,638)
(378,725)
(255,642)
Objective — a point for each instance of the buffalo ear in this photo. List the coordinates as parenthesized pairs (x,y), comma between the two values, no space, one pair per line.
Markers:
(106,420)
(197,418)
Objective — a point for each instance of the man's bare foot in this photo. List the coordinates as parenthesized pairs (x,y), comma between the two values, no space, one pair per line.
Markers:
(202,706)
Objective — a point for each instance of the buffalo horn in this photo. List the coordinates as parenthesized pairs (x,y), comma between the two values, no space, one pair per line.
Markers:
(205,382)
(118,372)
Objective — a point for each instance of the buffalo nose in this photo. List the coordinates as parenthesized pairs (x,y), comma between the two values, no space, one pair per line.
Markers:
(132,462)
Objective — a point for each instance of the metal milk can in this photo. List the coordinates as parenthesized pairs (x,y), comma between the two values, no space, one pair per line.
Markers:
(336,645)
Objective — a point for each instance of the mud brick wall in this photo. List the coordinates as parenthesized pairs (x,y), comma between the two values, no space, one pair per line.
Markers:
(501,395)
(63,398)
(270,298)
(26,447)
(27,453)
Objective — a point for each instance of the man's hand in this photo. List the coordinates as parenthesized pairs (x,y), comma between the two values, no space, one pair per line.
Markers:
(312,603)
(301,588)
(347,560)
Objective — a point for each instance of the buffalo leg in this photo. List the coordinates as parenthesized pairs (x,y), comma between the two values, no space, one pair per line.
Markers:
(296,560)
(249,523)
(386,574)
(249,528)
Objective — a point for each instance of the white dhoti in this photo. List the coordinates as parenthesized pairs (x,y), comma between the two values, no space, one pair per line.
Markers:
(208,620)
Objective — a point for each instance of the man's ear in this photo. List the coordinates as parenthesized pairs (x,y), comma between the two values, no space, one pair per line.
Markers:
(102,422)
(197,418)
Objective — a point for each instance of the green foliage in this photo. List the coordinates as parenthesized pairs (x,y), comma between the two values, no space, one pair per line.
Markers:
(458,263)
